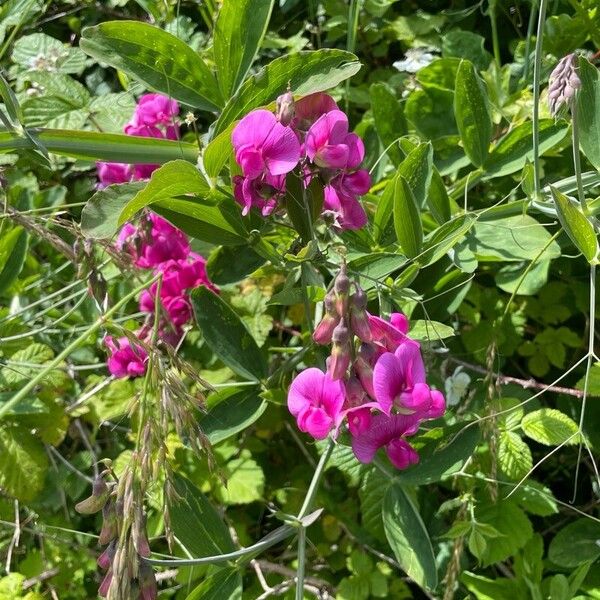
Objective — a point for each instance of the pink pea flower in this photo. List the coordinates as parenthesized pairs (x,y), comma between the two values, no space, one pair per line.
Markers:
(330,145)
(347,211)
(310,108)
(154,109)
(389,334)
(399,381)
(260,193)
(316,401)
(125,360)
(357,406)
(264,146)
(388,432)
(109,173)
(161,243)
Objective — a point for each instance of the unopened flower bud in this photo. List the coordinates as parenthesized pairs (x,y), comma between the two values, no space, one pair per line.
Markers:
(286,108)
(359,319)
(105,559)
(109,524)
(341,287)
(363,366)
(100,494)
(105,585)
(355,393)
(563,83)
(340,353)
(359,421)
(141,540)
(324,330)
(147,582)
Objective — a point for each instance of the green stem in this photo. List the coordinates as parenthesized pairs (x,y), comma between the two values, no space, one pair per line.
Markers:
(24,391)
(306,506)
(537,67)
(528,40)
(576,155)
(495,40)
(353,13)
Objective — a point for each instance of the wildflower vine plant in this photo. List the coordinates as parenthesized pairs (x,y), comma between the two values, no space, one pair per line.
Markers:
(316,323)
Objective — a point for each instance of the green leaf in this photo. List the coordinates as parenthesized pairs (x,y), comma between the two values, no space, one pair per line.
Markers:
(371,492)
(41,52)
(437,199)
(416,168)
(239,31)
(514,455)
(442,451)
(575,544)
(513,525)
(245,481)
(461,43)
(408,537)
(231,411)
(13,250)
(306,72)
(303,205)
(23,463)
(224,584)
(175,178)
(158,59)
(10,101)
(215,224)
(577,226)
(536,498)
(523,278)
(112,147)
(485,588)
(559,588)
(231,264)
(511,153)
(226,335)
(472,112)
(50,111)
(551,427)
(444,238)
(407,219)
(218,152)
(388,115)
(100,215)
(196,524)
(588,110)
(424,330)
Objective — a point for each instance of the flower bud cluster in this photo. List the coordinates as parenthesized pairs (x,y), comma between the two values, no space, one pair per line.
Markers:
(563,83)
(375,379)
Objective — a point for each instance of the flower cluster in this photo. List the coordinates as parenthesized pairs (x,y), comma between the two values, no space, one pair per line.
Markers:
(157,245)
(383,371)
(310,136)
(153,117)
(133,574)
(563,83)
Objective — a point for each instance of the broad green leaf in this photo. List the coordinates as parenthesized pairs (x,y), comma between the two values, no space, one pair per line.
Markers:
(100,215)
(511,153)
(536,498)
(229,264)
(510,521)
(218,152)
(407,219)
(226,335)
(303,205)
(550,426)
(408,537)
(13,250)
(575,544)
(461,43)
(40,52)
(472,112)
(23,463)
(306,72)
(54,112)
(225,584)
(524,279)
(431,111)
(216,224)
(371,492)
(10,101)
(485,588)
(416,168)
(424,330)
(514,455)
(239,31)
(577,226)
(371,268)
(175,178)
(160,60)
(112,147)
(437,198)
(512,239)
(231,411)
(245,481)
(388,115)
(443,451)
(196,524)
(588,110)
(444,238)
(28,406)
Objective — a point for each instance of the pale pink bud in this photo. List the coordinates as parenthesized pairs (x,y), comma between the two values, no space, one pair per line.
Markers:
(105,585)
(147,580)
(341,287)
(105,559)
(324,330)
(359,319)
(109,524)
(563,83)
(363,366)
(286,108)
(340,353)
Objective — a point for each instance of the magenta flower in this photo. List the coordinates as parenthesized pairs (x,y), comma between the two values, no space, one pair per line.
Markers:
(109,173)
(399,381)
(389,334)
(388,432)
(316,401)
(329,144)
(155,109)
(310,108)
(125,360)
(160,242)
(347,210)
(261,193)
(264,146)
